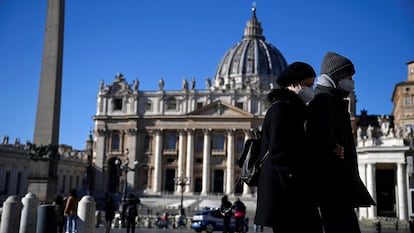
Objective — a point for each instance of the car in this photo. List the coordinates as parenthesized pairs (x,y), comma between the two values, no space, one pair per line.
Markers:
(211,220)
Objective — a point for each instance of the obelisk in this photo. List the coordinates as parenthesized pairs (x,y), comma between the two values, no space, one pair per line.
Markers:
(43,171)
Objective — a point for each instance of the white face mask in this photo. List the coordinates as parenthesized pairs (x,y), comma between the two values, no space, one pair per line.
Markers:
(306,94)
(346,85)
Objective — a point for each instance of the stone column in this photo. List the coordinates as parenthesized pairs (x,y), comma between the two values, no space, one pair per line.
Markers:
(181,152)
(371,186)
(190,159)
(246,188)
(101,157)
(230,161)
(157,161)
(206,163)
(402,192)
(131,136)
(363,212)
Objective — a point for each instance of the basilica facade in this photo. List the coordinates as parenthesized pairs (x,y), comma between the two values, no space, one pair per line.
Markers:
(196,133)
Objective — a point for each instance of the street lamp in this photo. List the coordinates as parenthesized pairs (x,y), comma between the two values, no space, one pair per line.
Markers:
(182,182)
(124,168)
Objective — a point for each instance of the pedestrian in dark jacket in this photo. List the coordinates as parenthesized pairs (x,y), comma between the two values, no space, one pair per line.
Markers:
(239,210)
(131,212)
(226,211)
(284,192)
(59,208)
(110,209)
(330,132)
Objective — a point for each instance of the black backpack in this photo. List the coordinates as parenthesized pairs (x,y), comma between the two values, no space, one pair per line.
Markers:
(250,160)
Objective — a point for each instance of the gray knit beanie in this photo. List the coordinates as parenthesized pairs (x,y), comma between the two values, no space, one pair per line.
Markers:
(336,66)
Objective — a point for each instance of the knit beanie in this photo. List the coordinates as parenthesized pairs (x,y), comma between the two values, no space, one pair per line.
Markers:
(295,73)
(336,66)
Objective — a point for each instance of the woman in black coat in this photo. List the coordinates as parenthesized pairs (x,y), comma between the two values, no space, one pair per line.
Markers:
(329,128)
(284,193)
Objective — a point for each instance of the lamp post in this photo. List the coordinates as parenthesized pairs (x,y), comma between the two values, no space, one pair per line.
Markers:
(124,168)
(182,182)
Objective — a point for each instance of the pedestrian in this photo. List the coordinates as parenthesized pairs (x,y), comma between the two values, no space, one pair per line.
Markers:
(59,209)
(333,148)
(110,209)
(239,210)
(71,212)
(225,209)
(285,183)
(131,212)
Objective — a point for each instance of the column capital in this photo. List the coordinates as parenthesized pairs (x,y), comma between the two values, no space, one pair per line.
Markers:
(101,131)
(190,130)
(207,130)
(131,131)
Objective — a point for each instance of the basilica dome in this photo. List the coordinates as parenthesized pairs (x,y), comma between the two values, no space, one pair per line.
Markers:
(251,64)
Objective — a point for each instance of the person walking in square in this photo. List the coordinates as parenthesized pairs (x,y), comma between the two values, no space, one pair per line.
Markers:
(333,148)
(285,198)
(110,209)
(131,213)
(239,210)
(71,212)
(226,211)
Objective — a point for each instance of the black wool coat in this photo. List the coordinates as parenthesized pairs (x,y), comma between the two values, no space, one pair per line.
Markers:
(281,196)
(329,124)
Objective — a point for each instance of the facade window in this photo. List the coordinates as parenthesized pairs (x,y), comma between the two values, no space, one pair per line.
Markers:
(239,105)
(7,183)
(117,104)
(218,142)
(408,100)
(172,104)
(70,182)
(199,105)
(18,182)
(171,141)
(63,184)
(148,106)
(115,141)
(200,144)
(239,144)
(147,143)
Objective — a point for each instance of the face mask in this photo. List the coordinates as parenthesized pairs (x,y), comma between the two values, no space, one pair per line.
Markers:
(306,94)
(346,85)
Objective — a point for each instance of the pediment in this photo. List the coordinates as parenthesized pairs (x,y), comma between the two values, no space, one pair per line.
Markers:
(219,108)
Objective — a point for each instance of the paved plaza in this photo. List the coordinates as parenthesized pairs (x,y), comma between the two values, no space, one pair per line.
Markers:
(365,229)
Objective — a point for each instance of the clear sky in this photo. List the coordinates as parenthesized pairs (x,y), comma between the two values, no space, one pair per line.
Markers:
(152,39)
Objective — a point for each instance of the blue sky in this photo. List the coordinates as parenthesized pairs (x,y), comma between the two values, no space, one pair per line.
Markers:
(152,39)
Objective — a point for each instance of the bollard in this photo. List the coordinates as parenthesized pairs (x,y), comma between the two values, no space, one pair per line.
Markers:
(46,219)
(11,215)
(86,214)
(29,214)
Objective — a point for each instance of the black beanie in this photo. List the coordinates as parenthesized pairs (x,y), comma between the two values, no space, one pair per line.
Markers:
(336,66)
(295,73)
